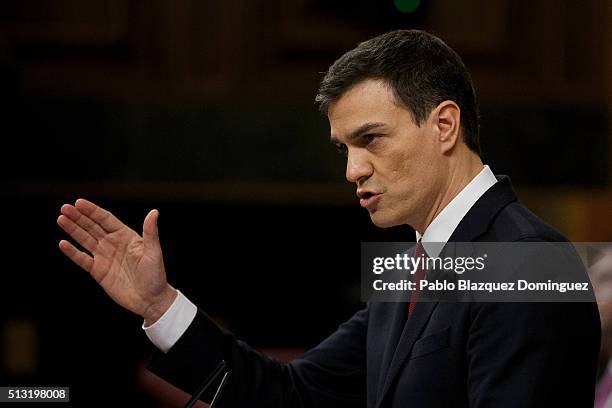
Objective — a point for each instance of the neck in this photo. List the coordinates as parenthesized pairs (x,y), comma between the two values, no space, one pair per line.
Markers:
(460,173)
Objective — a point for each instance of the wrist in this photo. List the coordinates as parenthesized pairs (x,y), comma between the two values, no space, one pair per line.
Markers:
(159,306)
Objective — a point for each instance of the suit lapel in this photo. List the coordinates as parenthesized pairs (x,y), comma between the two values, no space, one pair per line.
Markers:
(398,313)
(411,332)
(477,220)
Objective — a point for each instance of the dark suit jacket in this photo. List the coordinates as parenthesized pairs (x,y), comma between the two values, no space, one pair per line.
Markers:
(445,355)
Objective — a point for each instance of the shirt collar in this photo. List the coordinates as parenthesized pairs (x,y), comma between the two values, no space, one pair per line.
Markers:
(442,227)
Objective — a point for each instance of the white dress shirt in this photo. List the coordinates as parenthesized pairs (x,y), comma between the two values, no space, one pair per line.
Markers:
(170,327)
(443,226)
(166,331)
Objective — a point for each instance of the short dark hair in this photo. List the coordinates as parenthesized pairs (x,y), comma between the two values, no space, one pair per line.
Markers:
(419,67)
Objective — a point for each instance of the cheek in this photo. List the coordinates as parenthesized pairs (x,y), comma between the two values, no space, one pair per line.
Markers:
(416,156)
(411,170)
(408,164)
(404,162)
(401,172)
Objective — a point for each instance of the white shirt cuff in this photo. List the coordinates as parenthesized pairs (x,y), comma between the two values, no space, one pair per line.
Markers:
(166,331)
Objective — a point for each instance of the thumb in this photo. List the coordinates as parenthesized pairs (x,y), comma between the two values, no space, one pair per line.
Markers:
(150,234)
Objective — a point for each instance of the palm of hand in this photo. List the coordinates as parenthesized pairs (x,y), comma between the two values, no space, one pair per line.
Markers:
(129,267)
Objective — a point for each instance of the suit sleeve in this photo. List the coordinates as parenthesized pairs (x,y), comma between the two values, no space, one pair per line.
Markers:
(333,374)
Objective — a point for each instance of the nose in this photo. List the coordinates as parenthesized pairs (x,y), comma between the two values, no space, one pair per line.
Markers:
(357,167)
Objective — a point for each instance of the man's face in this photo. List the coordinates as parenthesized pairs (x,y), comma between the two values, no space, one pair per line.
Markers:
(601,277)
(395,163)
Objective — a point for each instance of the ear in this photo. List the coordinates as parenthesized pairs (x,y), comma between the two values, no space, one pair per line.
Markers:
(446,119)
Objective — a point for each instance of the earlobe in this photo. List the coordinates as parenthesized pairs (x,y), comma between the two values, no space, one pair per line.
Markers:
(448,121)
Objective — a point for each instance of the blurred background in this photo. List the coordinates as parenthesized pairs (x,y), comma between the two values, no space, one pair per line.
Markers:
(204,110)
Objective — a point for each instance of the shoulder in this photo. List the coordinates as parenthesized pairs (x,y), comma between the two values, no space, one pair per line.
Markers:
(515,222)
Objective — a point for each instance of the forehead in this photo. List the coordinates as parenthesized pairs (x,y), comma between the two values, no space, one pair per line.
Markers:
(366,102)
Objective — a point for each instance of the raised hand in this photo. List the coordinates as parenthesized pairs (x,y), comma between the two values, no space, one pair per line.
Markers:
(129,267)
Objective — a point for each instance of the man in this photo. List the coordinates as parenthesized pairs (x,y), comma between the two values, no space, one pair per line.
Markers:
(402,108)
(600,272)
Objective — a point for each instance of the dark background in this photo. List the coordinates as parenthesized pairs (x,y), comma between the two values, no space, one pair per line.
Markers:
(204,110)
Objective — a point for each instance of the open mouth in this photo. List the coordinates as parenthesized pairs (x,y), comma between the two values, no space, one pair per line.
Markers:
(367,195)
(367,199)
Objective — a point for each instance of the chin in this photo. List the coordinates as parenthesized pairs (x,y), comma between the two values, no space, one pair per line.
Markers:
(381,221)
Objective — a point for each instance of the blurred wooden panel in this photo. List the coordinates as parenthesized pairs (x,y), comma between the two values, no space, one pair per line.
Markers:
(330,194)
(524,50)
(20,347)
(583,216)
(65,22)
(473,27)
(606,16)
(535,55)
(307,27)
(549,50)
(123,48)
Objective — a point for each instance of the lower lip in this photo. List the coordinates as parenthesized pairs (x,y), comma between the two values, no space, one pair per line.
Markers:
(368,202)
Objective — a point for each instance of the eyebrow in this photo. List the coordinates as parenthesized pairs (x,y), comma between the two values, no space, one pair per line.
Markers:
(366,127)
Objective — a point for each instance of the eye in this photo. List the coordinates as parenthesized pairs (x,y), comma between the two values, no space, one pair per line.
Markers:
(341,148)
(369,138)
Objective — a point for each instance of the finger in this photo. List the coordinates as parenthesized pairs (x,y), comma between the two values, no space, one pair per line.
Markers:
(150,233)
(104,218)
(78,257)
(77,233)
(84,221)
